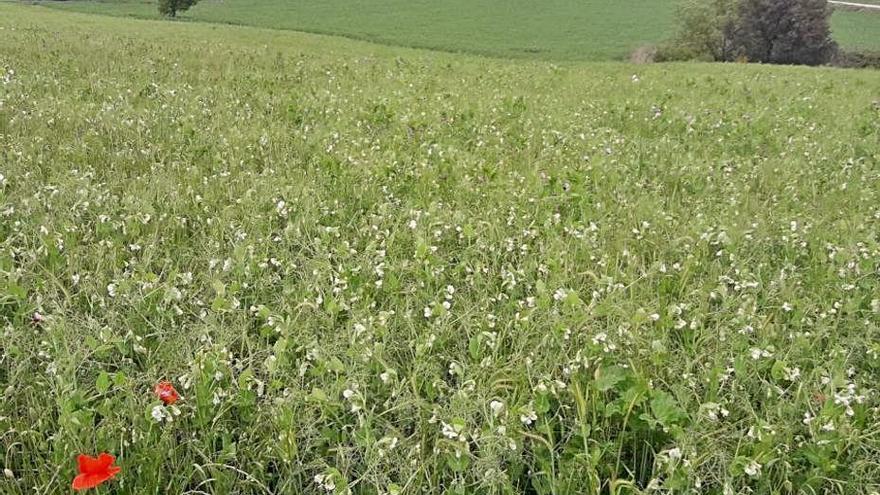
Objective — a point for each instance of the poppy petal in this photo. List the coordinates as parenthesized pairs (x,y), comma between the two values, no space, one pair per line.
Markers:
(86,481)
(88,464)
(105,461)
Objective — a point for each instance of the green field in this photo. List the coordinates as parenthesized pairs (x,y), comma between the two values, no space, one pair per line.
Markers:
(379,270)
(549,29)
(857,30)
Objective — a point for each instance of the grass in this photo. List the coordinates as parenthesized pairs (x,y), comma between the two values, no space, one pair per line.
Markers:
(857,30)
(379,270)
(552,29)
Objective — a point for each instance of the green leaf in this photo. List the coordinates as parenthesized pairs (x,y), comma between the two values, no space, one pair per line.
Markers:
(102,383)
(318,395)
(219,304)
(335,365)
(609,376)
(777,372)
(119,379)
(271,364)
(474,348)
(542,403)
(245,377)
(458,461)
(422,249)
(666,409)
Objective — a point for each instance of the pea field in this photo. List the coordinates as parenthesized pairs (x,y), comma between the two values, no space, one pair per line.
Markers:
(254,261)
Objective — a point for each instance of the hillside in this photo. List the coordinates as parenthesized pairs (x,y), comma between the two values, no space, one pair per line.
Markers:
(548,30)
(372,270)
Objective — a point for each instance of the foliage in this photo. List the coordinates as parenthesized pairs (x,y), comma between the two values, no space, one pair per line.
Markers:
(784,31)
(170,8)
(704,31)
(375,270)
(769,31)
(857,59)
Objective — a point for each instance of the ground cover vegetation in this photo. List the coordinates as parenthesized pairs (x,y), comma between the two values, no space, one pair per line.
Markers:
(255,261)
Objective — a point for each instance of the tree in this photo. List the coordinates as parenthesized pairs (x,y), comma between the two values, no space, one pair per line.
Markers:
(784,31)
(770,31)
(170,8)
(705,29)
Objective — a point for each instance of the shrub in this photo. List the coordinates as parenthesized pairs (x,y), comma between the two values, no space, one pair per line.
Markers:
(644,55)
(170,8)
(856,59)
(704,31)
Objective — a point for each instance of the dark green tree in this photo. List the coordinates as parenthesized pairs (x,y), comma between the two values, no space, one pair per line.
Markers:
(784,31)
(768,31)
(170,8)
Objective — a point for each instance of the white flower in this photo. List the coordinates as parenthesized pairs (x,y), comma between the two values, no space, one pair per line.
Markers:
(326,482)
(759,353)
(391,442)
(427,312)
(713,411)
(111,290)
(792,374)
(159,414)
(787,307)
(675,454)
(497,407)
(528,416)
(753,469)
(452,431)
(175,293)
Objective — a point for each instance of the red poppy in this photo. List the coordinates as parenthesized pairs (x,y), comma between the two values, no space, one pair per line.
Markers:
(94,471)
(165,391)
